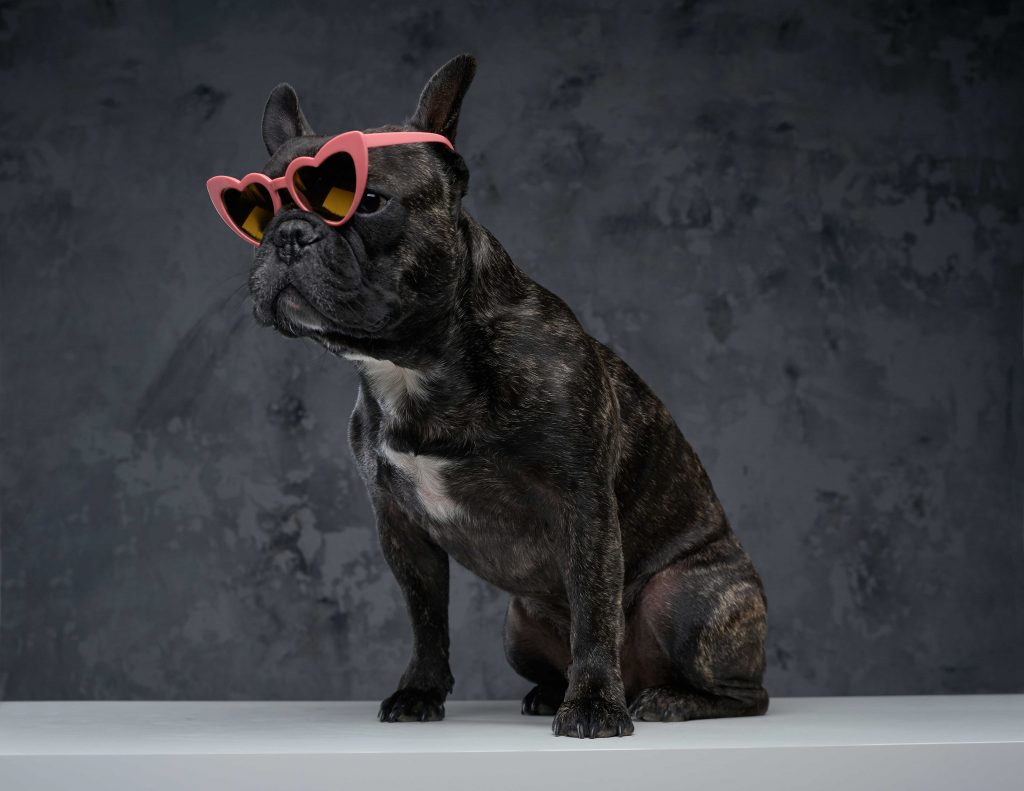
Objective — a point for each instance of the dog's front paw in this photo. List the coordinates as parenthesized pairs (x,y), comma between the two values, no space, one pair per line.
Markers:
(412,705)
(592,718)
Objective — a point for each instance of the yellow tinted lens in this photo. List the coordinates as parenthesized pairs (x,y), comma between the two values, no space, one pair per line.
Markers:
(330,187)
(250,209)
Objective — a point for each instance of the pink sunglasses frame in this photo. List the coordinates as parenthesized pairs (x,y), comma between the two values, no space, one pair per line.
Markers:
(356,144)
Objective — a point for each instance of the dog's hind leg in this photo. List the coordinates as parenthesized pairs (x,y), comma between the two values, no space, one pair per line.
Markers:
(695,645)
(539,652)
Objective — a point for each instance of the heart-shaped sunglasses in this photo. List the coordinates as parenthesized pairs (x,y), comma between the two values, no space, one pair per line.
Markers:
(330,184)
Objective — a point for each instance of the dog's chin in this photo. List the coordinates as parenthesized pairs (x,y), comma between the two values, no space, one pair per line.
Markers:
(294,316)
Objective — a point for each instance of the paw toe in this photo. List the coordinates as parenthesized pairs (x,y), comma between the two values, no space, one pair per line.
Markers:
(412,705)
(657,705)
(540,701)
(592,719)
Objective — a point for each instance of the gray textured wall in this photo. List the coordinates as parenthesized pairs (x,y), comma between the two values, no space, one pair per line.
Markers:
(800,222)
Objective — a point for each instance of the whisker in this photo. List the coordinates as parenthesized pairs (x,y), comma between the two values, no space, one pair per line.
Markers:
(234,274)
(237,289)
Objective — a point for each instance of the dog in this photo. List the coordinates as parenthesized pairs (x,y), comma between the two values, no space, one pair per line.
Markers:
(490,428)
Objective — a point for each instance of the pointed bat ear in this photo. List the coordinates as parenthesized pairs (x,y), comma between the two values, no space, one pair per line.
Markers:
(441,100)
(283,118)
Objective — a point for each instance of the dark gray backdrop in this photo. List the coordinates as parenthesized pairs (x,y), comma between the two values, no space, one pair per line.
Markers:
(801,223)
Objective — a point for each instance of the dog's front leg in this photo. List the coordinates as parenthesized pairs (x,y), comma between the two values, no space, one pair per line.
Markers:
(595,701)
(421,568)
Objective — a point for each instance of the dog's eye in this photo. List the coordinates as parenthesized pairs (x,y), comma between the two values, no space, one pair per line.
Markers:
(371,202)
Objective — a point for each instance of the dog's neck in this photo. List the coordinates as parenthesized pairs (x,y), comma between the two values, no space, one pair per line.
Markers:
(440,374)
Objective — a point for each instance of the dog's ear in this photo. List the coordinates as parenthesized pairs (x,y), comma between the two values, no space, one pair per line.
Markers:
(438,110)
(283,118)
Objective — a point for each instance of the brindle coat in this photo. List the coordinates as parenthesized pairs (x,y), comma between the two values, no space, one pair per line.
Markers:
(489,427)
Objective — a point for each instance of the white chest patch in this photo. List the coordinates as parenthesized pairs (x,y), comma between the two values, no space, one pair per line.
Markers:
(427,475)
(391,383)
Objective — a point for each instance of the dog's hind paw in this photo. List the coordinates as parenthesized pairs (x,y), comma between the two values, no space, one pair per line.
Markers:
(543,700)
(412,705)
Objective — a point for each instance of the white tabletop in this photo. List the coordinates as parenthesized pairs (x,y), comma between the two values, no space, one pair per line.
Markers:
(865,742)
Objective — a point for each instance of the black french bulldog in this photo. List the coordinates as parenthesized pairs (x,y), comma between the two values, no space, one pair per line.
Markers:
(491,428)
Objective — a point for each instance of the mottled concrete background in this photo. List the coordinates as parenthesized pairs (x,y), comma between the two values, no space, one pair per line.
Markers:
(800,222)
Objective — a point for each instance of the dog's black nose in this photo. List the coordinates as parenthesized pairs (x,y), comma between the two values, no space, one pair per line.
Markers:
(294,234)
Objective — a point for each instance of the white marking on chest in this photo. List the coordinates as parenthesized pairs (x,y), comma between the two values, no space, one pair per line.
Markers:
(427,475)
(391,383)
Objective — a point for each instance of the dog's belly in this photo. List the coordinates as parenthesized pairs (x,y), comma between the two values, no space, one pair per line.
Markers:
(478,518)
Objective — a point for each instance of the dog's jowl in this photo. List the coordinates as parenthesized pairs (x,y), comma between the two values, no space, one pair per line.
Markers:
(490,428)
